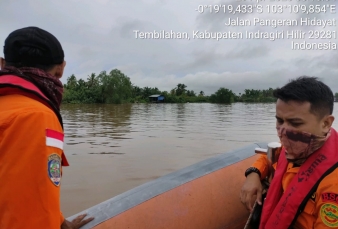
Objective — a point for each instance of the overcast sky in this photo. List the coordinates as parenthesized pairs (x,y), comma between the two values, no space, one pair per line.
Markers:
(99,35)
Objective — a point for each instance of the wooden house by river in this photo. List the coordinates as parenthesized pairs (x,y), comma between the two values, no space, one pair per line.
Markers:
(156,98)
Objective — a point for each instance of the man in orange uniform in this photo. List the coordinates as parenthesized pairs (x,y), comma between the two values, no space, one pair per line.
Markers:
(303,193)
(31,132)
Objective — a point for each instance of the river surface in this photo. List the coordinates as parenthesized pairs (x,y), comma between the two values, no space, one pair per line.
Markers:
(113,148)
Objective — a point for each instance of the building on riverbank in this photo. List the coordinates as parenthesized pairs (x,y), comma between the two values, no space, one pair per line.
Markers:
(156,98)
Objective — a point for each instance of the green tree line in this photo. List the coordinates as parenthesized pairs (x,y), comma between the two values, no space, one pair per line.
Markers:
(115,87)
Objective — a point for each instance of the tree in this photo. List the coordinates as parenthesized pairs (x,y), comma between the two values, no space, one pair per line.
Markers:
(223,95)
(201,94)
(173,92)
(180,89)
(136,91)
(155,91)
(252,95)
(146,92)
(191,93)
(71,82)
(92,81)
(81,84)
(116,87)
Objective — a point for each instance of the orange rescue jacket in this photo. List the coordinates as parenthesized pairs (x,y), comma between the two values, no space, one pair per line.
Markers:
(31,153)
(321,210)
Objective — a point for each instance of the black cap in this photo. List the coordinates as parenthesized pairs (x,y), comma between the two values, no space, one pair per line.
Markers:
(50,48)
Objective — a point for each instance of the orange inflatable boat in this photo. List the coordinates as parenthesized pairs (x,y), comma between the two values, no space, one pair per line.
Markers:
(204,195)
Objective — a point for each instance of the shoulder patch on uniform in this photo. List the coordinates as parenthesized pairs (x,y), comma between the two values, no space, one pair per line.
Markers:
(329,215)
(330,197)
(54,168)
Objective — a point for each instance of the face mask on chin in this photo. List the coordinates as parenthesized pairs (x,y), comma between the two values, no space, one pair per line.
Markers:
(300,144)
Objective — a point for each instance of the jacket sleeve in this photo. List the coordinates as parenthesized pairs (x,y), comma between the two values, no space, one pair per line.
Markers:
(262,164)
(32,167)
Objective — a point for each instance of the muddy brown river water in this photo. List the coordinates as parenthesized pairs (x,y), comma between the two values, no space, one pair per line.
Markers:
(113,148)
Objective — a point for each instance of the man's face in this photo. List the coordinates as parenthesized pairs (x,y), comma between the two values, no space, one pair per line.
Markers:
(295,115)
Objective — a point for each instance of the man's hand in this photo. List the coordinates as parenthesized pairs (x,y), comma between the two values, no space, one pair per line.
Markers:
(252,187)
(76,223)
